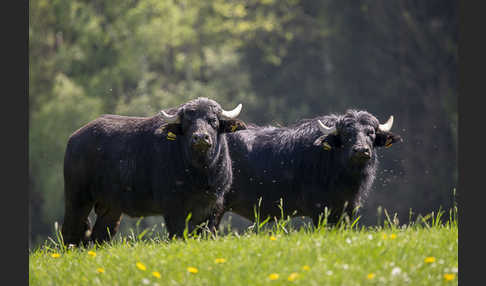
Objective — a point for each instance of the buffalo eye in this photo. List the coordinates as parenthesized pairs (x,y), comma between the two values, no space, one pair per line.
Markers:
(213,121)
(370,132)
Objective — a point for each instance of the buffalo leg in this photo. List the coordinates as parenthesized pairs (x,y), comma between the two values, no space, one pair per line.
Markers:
(216,215)
(315,220)
(215,220)
(335,215)
(76,226)
(175,225)
(332,218)
(198,224)
(107,223)
(212,220)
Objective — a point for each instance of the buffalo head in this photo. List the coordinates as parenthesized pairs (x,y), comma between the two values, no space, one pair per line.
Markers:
(200,122)
(356,134)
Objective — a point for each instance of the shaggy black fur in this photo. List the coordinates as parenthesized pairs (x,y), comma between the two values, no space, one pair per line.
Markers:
(132,165)
(291,163)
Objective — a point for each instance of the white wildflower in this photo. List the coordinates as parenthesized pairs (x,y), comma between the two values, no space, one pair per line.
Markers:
(396,271)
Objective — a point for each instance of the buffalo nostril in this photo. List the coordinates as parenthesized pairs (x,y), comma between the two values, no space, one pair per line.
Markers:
(199,139)
(362,151)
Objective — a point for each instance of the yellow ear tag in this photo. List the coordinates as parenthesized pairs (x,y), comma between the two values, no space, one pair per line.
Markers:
(233,127)
(326,146)
(171,136)
(388,143)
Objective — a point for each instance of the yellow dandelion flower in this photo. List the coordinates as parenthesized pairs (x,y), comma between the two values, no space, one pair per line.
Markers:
(384,237)
(100,270)
(141,266)
(371,276)
(273,276)
(156,274)
(306,267)
(273,238)
(293,276)
(393,236)
(429,259)
(449,276)
(55,255)
(92,253)
(192,270)
(219,260)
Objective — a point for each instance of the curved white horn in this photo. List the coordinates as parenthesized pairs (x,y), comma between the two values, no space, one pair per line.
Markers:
(387,126)
(170,118)
(324,129)
(231,114)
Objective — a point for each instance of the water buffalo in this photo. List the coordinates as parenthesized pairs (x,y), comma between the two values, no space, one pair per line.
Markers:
(317,163)
(173,163)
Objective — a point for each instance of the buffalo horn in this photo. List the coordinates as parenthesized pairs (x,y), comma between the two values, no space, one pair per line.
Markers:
(170,118)
(324,129)
(387,126)
(232,114)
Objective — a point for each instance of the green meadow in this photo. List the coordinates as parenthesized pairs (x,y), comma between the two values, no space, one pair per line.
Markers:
(421,253)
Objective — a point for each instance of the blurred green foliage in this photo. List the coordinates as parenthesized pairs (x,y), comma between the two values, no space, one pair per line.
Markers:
(284,60)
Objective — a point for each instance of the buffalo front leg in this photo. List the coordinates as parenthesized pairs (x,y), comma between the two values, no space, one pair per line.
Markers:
(107,223)
(76,227)
(215,219)
(216,215)
(175,225)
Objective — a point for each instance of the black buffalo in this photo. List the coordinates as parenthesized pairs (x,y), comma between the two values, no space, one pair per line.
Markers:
(171,164)
(329,161)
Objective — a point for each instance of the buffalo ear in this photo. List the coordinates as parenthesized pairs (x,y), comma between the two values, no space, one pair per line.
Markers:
(174,128)
(318,141)
(226,126)
(327,142)
(386,139)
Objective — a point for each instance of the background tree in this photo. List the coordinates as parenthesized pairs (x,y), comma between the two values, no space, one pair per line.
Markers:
(285,60)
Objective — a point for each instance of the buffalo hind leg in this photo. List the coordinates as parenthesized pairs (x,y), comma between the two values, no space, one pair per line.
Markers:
(320,218)
(344,214)
(107,223)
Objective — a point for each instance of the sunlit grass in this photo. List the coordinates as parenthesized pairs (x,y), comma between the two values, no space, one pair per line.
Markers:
(422,253)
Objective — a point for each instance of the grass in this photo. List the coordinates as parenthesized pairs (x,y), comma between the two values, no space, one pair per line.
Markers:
(421,253)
